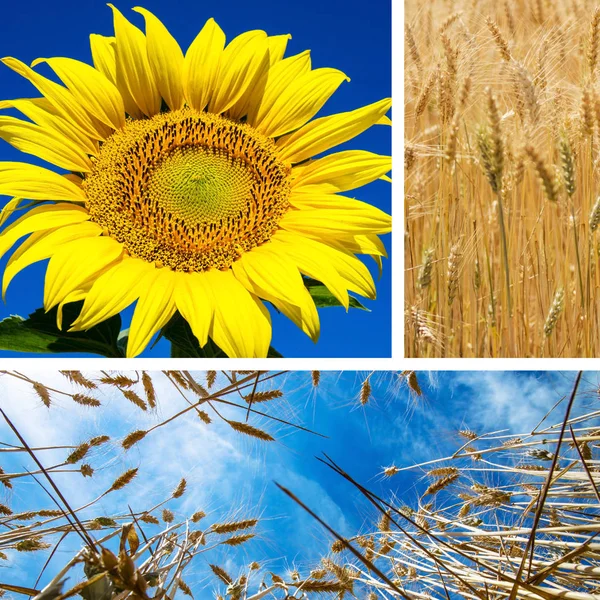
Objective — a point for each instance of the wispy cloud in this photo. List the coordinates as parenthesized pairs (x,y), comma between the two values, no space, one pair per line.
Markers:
(229,475)
(515,400)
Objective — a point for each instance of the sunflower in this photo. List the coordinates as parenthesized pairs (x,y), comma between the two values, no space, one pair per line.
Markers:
(191,185)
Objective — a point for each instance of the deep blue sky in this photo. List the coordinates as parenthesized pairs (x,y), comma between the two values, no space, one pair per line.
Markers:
(351,35)
(228,471)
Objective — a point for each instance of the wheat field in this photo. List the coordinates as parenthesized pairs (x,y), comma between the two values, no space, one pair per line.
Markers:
(504,516)
(502,195)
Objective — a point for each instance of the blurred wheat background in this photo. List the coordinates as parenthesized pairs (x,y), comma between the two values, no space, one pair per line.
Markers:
(501,178)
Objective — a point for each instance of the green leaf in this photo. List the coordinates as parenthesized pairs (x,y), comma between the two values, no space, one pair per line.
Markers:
(185,345)
(39,334)
(273,353)
(324,298)
(183,342)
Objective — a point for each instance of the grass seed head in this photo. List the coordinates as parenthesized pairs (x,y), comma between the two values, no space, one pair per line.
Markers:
(251,431)
(412,47)
(198,516)
(99,440)
(424,279)
(500,40)
(263,396)
(133,438)
(180,489)
(149,389)
(593,40)
(78,454)
(558,304)
(594,220)
(134,398)
(221,574)
(85,400)
(78,378)
(211,376)
(365,391)
(543,173)
(117,380)
(32,544)
(43,393)
(232,526)
(123,480)
(238,540)
(568,165)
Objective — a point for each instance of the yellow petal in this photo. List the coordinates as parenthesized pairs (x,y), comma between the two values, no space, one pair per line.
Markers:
(360,244)
(74,179)
(153,310)
(336,222)
(112,292)
(278,79)
(257,88)
(75,263)
(343,171)
(239,64)
(74,296)
(36,183)
(61,98)
(9,208)
(277,46)
(133,67)
(325,133)
(379,264)
(104,50)
(166,59)
(241,325)
(43,143)
(254,89)
(300,101)
(384,121)
(377,218)
(311,263)
(103,55)
(42,245)
(42,113)
(276,278)
(201,65)
(91,88)
(40,218)
(195,303)
(355,274)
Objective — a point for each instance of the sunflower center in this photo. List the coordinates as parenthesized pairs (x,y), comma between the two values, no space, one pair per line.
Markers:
(188,190)
(199,185)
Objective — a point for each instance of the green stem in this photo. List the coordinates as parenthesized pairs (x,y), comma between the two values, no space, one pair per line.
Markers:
(504,252)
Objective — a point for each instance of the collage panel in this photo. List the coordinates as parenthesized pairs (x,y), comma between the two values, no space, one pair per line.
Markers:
(243,485)
(213,181)
(502,197)
(195,181)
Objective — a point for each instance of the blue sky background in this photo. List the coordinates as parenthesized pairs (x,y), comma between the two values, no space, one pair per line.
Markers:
(227,471)
(351,35)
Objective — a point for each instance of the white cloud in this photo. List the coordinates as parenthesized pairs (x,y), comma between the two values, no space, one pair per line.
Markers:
(496,400)
(228,474)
